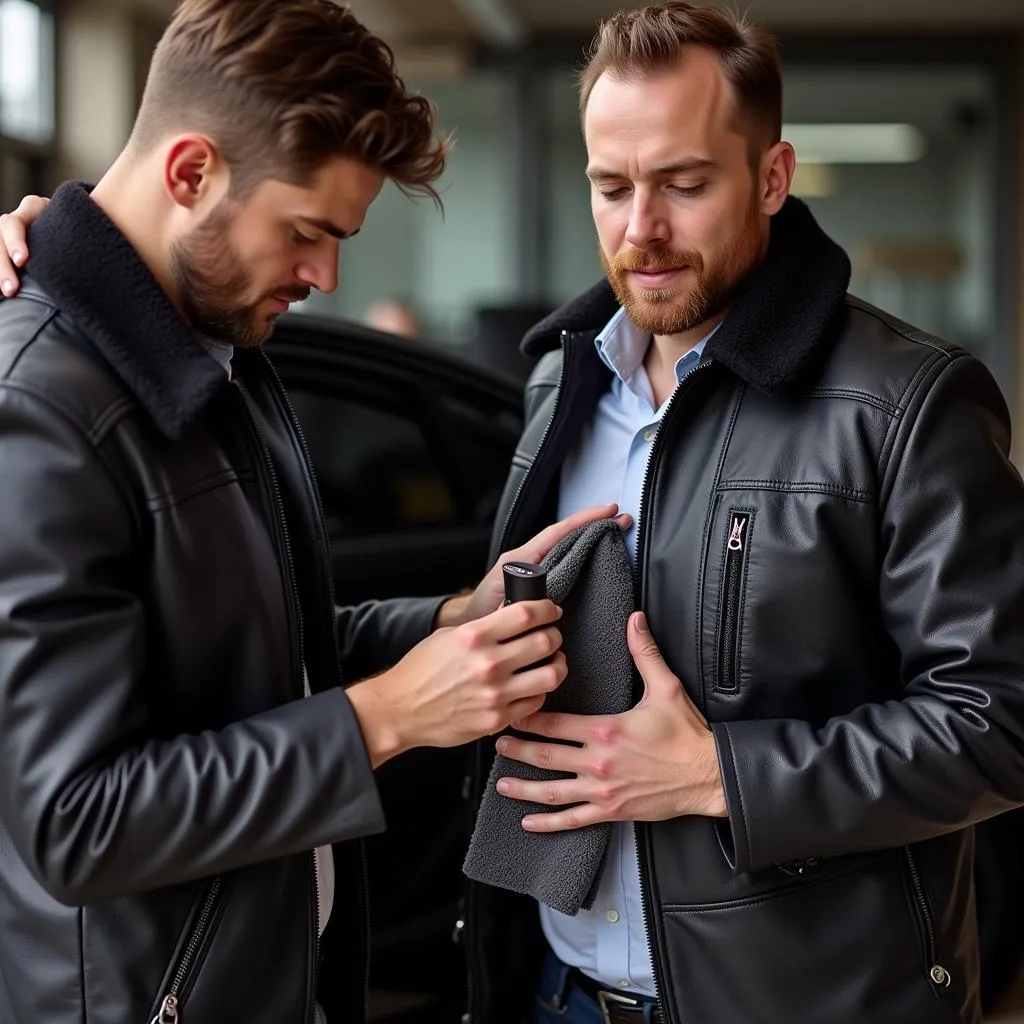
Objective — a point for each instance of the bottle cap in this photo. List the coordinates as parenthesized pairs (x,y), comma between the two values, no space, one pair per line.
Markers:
(524,582)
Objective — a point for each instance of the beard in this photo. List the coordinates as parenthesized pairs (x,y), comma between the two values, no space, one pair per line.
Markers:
(212,279)
(682,307)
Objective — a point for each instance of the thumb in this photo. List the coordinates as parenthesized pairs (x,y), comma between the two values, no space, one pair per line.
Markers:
(657,676)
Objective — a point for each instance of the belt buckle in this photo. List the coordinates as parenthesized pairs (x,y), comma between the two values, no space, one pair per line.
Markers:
(607,1001)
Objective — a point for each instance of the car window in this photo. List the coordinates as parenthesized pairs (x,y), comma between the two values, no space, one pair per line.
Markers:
(374,466)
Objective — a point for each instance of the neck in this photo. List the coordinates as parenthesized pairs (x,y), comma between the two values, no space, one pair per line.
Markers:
(127,198)
(667,349)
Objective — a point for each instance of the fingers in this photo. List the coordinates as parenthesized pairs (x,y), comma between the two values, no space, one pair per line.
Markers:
(534,550)
(563,821)
(535,682)
(8,273)
(13,244)
(515,619)
(575,728)
(555,757)
(552,792)
(529,649)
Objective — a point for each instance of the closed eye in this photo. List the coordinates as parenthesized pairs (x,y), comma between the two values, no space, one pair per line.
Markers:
(613,193)
(687,190)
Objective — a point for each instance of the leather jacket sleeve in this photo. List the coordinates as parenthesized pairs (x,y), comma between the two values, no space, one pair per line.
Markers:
(377,634)
(950,751)
(100,799)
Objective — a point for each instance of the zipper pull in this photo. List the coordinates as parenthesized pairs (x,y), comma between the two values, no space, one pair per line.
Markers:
(736,533)
(168,1012)
(940,976)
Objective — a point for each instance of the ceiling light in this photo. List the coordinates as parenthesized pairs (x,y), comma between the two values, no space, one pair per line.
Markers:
(856,143)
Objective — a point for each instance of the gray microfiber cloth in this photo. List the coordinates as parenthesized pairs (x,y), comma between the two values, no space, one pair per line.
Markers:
(590,576)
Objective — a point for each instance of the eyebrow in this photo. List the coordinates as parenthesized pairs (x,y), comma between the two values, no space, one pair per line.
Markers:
(680,167)
(328,228)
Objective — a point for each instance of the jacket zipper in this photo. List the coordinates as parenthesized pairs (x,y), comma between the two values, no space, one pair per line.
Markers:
(937,974)
(640,832)
(170,1010)
(314,490)
(275,489)
(732,594)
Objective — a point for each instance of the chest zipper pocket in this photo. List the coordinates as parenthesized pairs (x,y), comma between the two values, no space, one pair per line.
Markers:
(939,977)
(170,1004)
(733,582)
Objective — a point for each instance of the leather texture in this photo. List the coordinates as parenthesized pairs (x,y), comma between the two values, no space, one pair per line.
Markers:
(162,582)
(860,660)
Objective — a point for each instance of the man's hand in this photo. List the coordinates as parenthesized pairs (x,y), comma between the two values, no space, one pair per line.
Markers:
(491,592)
(654,762)
(13,240)
(461,684)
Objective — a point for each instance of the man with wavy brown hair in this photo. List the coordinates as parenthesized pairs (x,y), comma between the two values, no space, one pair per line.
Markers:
(177,751)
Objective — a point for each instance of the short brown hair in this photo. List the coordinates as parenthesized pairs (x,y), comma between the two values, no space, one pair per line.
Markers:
(648,41)
(282,86)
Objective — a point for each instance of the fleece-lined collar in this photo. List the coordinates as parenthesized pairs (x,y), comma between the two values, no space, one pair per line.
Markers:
(783,318)
(93,274)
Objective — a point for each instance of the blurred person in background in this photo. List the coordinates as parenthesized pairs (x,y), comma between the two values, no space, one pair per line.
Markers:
(393,316)
(827,541)
(177,752)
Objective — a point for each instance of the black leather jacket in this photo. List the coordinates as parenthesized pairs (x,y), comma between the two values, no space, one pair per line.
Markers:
(163,579)
(831,557)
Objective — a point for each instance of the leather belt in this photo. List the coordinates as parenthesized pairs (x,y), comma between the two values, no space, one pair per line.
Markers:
(616,1007)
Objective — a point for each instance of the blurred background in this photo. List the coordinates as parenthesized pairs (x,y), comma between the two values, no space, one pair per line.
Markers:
(906,117)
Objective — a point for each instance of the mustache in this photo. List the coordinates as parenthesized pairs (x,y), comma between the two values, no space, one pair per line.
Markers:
(655,260)
(292,294)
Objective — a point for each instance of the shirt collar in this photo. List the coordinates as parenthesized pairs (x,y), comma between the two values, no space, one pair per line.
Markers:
(622,347)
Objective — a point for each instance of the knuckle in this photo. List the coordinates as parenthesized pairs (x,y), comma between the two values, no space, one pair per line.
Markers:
(605,733)
(551,793)
(472,636)
(487,668)
(544,756)
(601,768)
(521,617)
(552,679)
(552,724)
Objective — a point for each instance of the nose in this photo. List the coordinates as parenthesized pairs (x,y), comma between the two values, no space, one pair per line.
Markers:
(320,271)
(648,227)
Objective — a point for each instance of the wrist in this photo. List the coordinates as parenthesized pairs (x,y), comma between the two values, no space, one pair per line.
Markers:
(453,612)
(716,805)
(377,721)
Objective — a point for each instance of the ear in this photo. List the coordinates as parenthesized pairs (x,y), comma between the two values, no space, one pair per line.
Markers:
(192,169)
(777,169)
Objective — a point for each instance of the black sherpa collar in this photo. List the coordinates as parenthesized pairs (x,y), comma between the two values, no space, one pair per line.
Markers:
(782,319)
(95,276)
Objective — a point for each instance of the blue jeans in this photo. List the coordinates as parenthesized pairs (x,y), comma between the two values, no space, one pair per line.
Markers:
(558,1001)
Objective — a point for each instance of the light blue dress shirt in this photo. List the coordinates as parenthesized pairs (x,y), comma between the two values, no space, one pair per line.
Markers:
(609,941)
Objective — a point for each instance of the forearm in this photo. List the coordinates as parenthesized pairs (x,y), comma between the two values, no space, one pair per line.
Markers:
(375,635)
(883,776)
(280,783)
